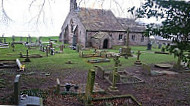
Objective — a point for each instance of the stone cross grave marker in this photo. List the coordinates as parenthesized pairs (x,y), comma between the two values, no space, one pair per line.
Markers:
(138,62)
(115,74)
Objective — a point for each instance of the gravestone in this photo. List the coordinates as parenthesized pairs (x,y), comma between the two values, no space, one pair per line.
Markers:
(61,48)
(52,51)
(114,76)
(5,41)
(146,69)
(163,49)
(13,46)
(159,46)
(126,50)
(100,72)
(16,90)
(89,87)
(1,40)
(30,39)
(27,57)
(13,38)
(138,62)
(47,50)
(149,46)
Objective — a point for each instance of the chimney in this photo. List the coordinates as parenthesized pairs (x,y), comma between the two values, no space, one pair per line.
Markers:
(73,5)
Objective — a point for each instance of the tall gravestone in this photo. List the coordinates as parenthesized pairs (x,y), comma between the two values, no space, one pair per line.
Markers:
(126,50)
(115,76)
(89,87)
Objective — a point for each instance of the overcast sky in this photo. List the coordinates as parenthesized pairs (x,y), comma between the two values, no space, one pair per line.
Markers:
(53,15)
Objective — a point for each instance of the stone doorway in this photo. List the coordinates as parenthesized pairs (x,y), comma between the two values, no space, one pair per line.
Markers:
(105,44)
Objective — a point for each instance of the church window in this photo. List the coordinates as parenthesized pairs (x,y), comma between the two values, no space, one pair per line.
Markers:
(120,36)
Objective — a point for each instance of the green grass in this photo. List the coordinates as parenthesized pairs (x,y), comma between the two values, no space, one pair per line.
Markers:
(57,62)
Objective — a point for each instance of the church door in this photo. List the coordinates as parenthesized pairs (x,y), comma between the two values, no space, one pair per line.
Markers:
(105,44)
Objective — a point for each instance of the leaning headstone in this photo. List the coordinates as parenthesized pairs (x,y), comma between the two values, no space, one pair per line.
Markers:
(89,87)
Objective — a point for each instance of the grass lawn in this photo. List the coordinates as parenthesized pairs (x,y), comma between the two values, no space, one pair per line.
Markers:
(58,60)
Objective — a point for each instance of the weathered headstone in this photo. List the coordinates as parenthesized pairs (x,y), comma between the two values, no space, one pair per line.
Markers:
(146,69)
(138,62)
(89,86)
(126,50)
(100,72)
(16,90)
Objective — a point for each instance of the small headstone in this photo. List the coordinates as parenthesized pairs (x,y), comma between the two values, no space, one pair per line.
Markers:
(5,40)
(146,69)
(149,46)
(159,46)
(52,51)
(47,50)
(27,57)
(100,72)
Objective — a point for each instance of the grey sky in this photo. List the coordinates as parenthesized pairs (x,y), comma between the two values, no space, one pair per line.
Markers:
(53,15)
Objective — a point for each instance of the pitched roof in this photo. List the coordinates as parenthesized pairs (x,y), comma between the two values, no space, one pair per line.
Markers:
(99,19)
(131,24)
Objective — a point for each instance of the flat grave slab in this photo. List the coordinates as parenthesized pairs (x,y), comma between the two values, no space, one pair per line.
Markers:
(163,65)
(126,78)
(165,72)
(96,88)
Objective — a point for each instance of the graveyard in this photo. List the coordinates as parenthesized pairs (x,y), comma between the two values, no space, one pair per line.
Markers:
(54,74)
